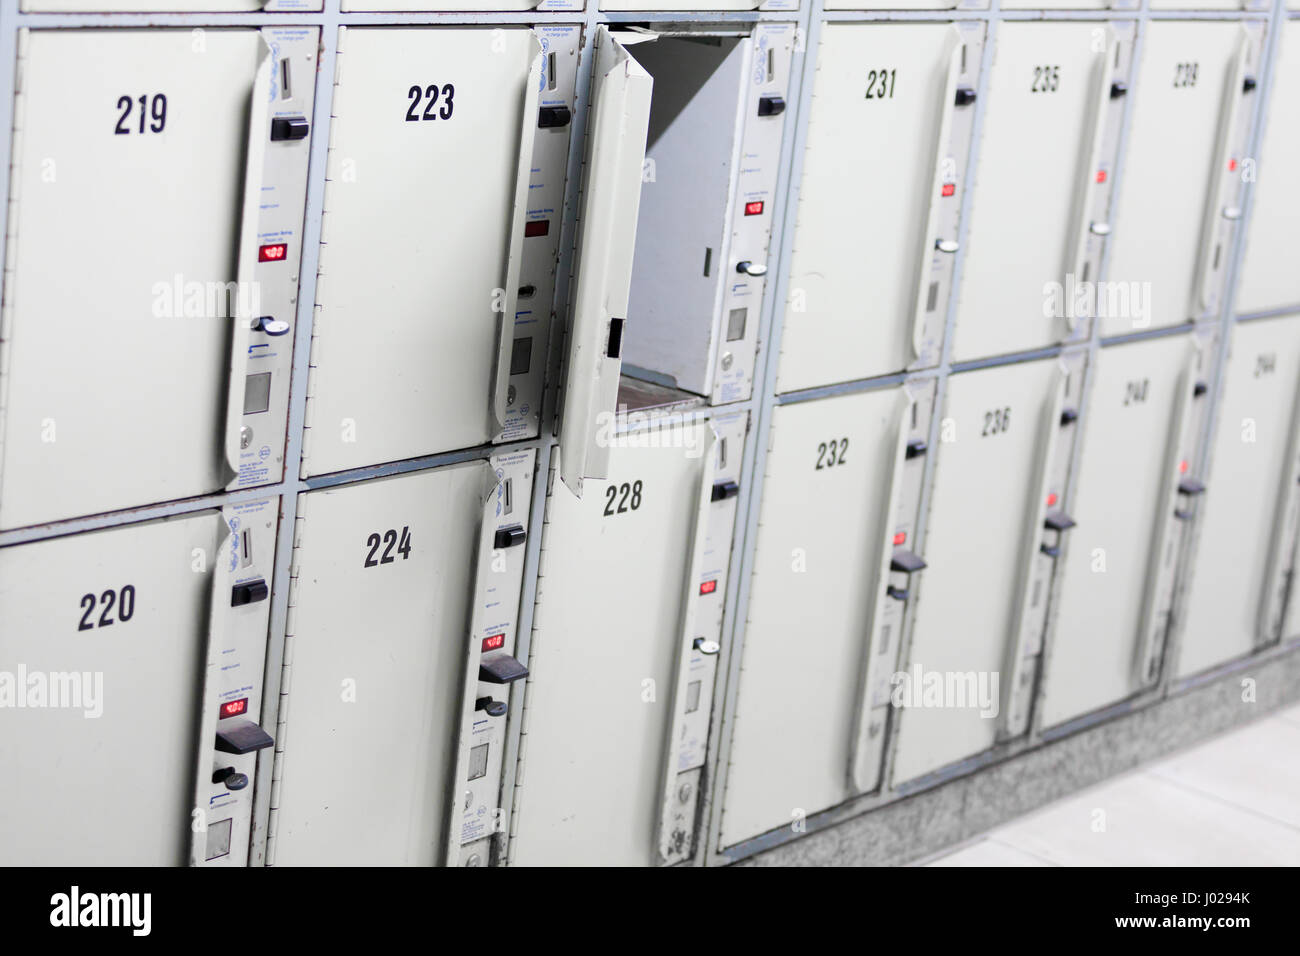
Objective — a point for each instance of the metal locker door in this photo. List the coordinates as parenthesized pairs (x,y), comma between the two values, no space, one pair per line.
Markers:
(382,614)
(868,290)
(1133,489)
(616,714)
(831,572)
(164,366)
(696,4)
(169,6)
(996,496)
(1236,589)
(1269,278)
(438,245)
(1051,85)
(1179,198)
(152,637)
(611,195)
(455,6)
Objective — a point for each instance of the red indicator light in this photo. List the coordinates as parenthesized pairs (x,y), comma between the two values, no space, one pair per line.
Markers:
(754,208)
(276,252)
(949,188)
(233,708)
(494,643)
(708,587)
(1232,165)
(900,538)
(1182,466)
(538,227)
(1101,175)
(1051,498)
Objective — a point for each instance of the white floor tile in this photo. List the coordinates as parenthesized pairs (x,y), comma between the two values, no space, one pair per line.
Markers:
(989,852)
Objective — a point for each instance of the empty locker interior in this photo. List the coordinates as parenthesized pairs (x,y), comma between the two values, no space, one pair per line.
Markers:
(632,432)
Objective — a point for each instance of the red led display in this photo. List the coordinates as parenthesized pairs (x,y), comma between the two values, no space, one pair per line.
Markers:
(754,208)
(708,587)
(1182,466)
(1051,499)
(276,252)
(538,227)
(900,538)
(494,643)
(949,188)
(1101,175)
(233,708)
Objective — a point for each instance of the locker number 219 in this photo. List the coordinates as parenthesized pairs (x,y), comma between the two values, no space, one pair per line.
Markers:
(153,110)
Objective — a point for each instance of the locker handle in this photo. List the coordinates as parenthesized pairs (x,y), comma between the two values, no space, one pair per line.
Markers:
(1013,711)
(515,249)
(863,766)
(686,644)
(616,137)
(1148,649)
(1209,263)
(247,266)
(1103,91)
(930,242)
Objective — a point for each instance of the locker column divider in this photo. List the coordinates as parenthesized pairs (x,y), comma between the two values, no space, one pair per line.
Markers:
(1277,16)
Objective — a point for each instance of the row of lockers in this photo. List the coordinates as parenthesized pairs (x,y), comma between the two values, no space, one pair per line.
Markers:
(1059,554)
(417,6)
(443,228)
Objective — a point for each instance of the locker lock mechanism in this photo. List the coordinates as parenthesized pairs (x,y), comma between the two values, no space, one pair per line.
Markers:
(745,267)
(250,592)
(500,669)
(706,646)
(1118,89)
(552,117)
(903,562)
(271,325)
(771,105)
(965,96)
(1059,522)
(509,537)
(722,490)
(233,779)
(493,708)
(289,128)
(1188,488)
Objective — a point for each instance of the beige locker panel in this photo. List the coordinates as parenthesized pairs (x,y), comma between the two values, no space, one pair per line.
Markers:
(433,230)
(169,6)
(868,289)
(123,654)
(1220,5)
(906,5)
(1118,561)
(1236,588)
(375,657)
(998,429)
(1177,202)
(454,6)
(1269,276)
(134,345)
(611,709)
(693,5)
(1037,221)
(825,529)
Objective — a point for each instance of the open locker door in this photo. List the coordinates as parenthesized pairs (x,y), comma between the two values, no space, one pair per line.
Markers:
(164,367)
(141,651)
(447,159)
(616,138)
(386,604)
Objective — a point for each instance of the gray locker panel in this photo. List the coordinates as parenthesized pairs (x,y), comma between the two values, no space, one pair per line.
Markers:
(604,656)
(415,237)
(811,600)
(985,488)
(1095,641)
(108,208)
(1250,468)
(376,657)
(1044,109)
(64,618)
(1168,172)
(862,219)
(1269,277)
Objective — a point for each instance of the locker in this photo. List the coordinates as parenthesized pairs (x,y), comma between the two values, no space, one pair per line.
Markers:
(1233,597)
(1225,5)
(905,5)
(169,6)
(151,640)
(1041,213)
(868,280)
(415,6)
(440,239)
(997,518)
(399,665)
(1136,487)
(624,652)
(1269,279)
(128,138)
(833,568)
(1181,192)
(674,227)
